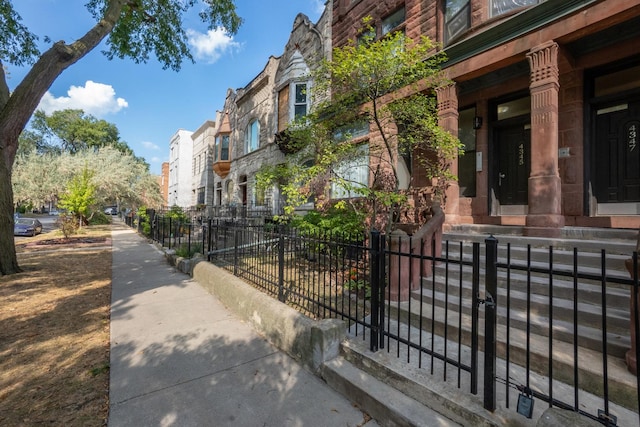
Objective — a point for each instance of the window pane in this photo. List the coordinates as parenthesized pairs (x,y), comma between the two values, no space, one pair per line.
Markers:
(301,93)
(356,174)
(300,111)
(499,7)
(453,7)
(392,21)
(216,149)
(252,137)
(224,151)
(457,18)
(515,108)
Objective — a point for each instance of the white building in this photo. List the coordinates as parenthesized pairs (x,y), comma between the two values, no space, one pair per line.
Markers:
(202,165)
(180,165)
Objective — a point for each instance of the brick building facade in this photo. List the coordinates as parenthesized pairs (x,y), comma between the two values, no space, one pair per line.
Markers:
(544,97)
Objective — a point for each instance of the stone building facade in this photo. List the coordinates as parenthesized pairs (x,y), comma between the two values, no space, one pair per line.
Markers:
(544,97)
(202,165)
(254,114)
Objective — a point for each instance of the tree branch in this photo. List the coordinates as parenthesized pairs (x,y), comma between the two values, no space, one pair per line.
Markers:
(19,107)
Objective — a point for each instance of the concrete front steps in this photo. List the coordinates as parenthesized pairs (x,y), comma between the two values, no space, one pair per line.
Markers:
(582,299)
(399,386)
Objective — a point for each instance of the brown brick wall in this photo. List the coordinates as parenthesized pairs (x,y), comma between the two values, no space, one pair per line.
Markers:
(420,17)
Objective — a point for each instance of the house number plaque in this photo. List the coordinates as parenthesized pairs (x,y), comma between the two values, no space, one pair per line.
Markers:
(521,154)
(632,136)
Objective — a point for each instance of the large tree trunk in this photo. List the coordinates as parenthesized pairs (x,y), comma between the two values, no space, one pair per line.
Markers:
(16,110)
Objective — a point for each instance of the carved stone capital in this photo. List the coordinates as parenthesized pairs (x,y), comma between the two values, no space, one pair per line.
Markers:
(447,97)
(543,61)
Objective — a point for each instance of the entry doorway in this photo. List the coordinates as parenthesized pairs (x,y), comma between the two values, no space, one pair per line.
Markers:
(511,165)
(616,151)
(513,145)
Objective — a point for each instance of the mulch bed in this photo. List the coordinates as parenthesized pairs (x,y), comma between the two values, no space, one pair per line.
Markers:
(76,242)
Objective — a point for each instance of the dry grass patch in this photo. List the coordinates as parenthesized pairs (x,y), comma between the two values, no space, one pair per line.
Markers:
(54,333)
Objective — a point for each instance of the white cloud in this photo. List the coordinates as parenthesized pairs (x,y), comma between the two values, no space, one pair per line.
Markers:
(211,46)
(150,145)
(93,98)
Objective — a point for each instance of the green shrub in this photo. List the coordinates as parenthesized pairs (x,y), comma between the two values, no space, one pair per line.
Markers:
(183,250)
(339,220)
(99,218)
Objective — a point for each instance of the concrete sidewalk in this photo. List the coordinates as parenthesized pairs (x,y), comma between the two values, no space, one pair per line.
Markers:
(180,358)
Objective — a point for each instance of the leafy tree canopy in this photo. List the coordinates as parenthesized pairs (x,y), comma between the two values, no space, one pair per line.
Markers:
(135,29)
(40,179)
(72,131)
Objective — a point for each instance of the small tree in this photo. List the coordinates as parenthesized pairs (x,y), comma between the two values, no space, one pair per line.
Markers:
(80,196)
(374,108)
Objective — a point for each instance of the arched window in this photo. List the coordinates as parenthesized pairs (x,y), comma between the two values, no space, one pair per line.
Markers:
(252,136)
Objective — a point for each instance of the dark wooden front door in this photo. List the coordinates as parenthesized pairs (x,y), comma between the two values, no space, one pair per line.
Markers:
(616,162)
(514,147)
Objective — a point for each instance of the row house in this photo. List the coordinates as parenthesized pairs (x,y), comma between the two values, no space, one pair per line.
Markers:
(201,166)
(180,162)
(545,97)
(254,116)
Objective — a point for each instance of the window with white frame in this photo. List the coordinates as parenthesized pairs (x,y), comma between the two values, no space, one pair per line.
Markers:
(351,175)
(216,149)
(252,136)
(300,100)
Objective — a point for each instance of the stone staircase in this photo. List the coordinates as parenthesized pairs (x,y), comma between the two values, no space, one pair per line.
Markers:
(440,387)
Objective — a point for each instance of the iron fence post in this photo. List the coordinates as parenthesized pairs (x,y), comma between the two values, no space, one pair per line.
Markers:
(280,263)
(189,229)
(236,243)
(170,231)
(375,281)
(490,327)
(475,302)
(209,233)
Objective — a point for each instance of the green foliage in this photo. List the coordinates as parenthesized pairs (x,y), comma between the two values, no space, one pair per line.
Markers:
(158,27)
(339,219)
(17,43)
(73,131)
(176,213)
(356,284)
(99,218)
(40,178)
(184,252)
(360,287)
(144,220)
(68,224)
(79,196)
(355,93)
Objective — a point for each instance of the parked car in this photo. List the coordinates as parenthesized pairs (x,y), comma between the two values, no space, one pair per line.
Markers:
(111,211)
(54,212)
(27,227)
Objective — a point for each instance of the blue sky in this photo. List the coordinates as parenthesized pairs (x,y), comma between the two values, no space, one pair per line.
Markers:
(149,104)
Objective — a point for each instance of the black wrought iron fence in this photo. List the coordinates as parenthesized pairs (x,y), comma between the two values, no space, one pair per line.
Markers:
(470,313)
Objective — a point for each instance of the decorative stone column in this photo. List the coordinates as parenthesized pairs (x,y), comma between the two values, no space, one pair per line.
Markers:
(545,214)
(447,97)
